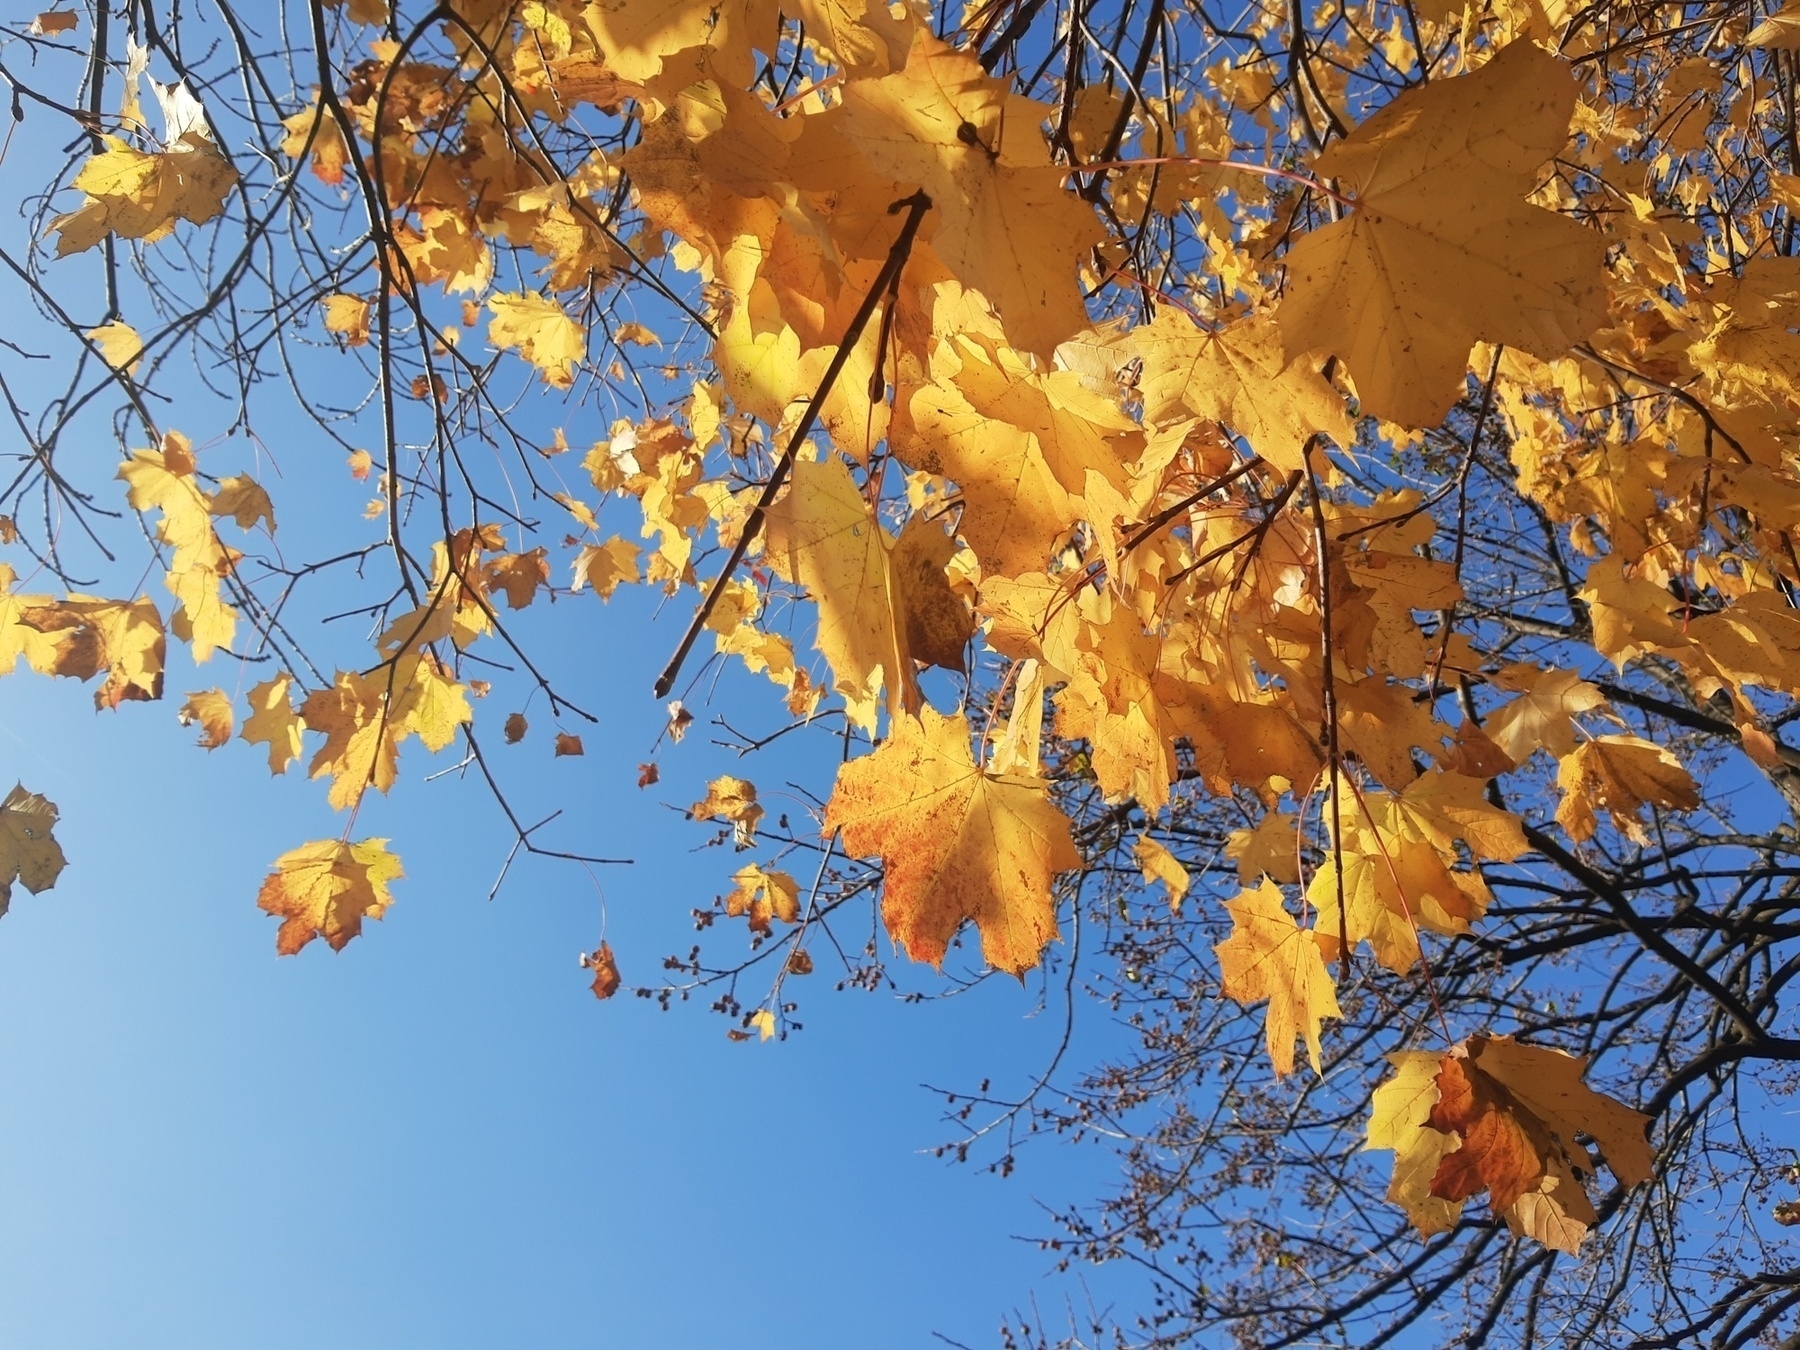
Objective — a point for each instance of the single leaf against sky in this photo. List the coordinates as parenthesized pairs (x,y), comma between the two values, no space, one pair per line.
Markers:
(957,844)
(28,852)
(1441,249)
(326,889)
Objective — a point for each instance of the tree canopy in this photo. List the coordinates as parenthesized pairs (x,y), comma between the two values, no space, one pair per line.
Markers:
(1277,521)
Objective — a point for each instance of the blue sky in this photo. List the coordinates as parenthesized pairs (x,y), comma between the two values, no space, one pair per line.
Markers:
(438,1138)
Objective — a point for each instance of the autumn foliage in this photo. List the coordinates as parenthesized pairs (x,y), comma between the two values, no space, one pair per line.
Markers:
(1310,495)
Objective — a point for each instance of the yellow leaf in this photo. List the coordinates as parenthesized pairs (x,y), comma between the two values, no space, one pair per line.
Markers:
(1780,30)
(536,326)
(822,535)
(1158,864)
(957,844)
(763,894)
(326,889)
(1543,713)
(243,499)
(1240,376)
(29,854)
(348,317)
(140,195)
(1622,774)
(519,575)
(119,344)
(123,638)
(734,800)
(1442,250)
(1004,223)
(1399,1110)
(1269,956)
(274,723)
(211,709)
(606,566)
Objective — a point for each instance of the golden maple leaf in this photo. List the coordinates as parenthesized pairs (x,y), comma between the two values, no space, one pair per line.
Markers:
(958,844)
(1496,1115)
(137,194)
(763,894)
(1543,713)
(28,852)
(732,800)
(1622,774)
(1439,179)
(1005,225)
(211,710)
(1269,956)
(274,722)
(1158,864)
(822,535)
(119,343)
(538,328)
(1399,1111)
(123,638)
(326,889)
(1238,374)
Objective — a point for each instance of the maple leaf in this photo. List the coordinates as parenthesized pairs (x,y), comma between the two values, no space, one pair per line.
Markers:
(519,575)
(1780,30)
(567,744)
(1439,178)
(1158,864)
(733,800)
(1516,1111)
(537,328)
(274,722)
(243,499)
(140,195)
(1020,444)
(1006,226)
(637,38)
(361,736)
(1269,956)
(348,317)
(934,621)
(326,889)
(763,894)
(957,844)
(123,638)
(211,709)
(606,566)
(515,728)
(119,344)
(1542,714)
(330,152)
(1238,374)
(1399,1111)
(822,535)
(1623,774)
(29,854)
